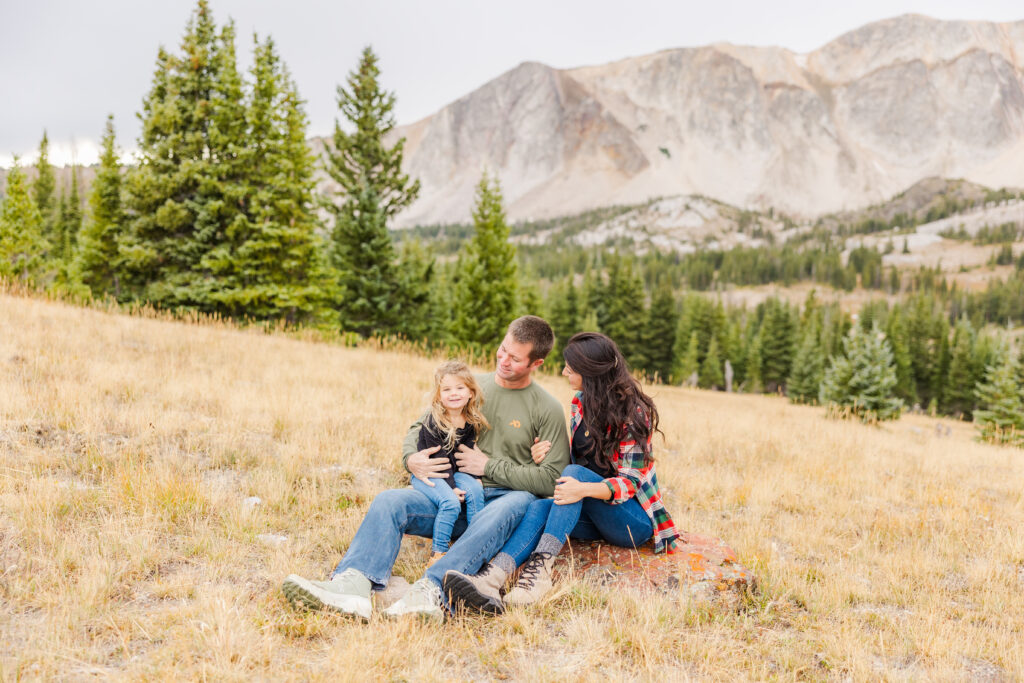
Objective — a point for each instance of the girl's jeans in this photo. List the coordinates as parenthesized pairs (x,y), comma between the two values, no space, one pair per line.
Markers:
(449,506)
(624,524)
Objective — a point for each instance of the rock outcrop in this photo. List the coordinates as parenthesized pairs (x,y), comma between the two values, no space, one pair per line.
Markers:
(850,124)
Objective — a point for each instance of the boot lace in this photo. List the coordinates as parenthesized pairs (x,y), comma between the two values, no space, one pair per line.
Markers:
(531,570)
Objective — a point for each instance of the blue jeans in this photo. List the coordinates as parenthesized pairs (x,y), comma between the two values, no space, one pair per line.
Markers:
(406,511)
(625,524)
(449,506)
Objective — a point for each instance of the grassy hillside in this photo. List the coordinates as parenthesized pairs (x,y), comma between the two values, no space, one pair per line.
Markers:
(128,448)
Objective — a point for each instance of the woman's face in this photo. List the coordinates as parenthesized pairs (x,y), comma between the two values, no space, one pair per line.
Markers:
(575,380)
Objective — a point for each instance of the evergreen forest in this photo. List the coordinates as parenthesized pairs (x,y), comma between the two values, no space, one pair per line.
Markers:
(220,214)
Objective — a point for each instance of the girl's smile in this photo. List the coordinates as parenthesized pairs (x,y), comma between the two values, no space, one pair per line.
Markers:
(454,393)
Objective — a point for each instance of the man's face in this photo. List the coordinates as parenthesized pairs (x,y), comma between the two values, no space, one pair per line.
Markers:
(514,360)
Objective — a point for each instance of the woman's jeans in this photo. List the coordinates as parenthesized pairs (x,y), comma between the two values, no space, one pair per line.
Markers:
(624,524)
(449,506)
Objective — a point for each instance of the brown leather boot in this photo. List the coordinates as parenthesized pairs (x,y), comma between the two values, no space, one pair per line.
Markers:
(534,580)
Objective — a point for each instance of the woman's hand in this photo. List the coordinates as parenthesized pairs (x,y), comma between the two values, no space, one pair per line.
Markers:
(539,450)
(569,490)
(460,494)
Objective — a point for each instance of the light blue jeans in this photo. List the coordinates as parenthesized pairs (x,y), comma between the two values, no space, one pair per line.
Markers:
(449,506)
(406,511)
(624,524)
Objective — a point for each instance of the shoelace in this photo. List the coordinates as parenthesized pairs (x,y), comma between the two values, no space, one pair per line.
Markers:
(531,570)
(428,589)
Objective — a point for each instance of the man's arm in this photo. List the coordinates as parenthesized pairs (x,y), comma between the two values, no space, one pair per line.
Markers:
(537,479)
(417,460)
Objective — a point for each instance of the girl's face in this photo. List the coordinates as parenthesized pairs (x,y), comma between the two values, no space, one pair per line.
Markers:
(454,393)
(575,380)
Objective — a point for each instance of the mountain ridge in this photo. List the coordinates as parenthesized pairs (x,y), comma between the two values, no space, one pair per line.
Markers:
(857,120)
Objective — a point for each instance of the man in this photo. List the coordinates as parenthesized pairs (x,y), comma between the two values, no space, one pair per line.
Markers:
(521,413)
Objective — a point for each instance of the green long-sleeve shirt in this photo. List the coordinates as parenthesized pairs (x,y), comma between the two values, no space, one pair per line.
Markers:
(517,416)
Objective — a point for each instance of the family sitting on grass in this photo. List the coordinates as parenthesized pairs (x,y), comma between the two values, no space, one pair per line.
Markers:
(498,443)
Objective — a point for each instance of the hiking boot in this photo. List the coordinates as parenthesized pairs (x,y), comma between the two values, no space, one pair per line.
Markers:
(534,580)
(422,599)
(346,593)
(480,592)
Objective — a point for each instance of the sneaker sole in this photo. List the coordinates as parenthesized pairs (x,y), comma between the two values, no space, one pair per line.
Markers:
(461,591)
(304,595)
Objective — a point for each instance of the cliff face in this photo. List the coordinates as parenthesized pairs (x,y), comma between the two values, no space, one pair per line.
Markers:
(847,125)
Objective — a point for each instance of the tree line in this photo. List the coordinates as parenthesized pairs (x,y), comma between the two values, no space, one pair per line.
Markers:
(220,215)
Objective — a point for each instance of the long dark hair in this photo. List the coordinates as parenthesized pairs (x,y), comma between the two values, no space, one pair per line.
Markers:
(613,403)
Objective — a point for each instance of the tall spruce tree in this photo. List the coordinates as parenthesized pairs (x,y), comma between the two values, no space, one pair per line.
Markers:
(1001,417)
(96,261)
(486,288)
(563,311)
(689,365)
(626,312)
(269,264)
(22,245)
(43,189)
(804,384)
(373,190)
(958,391)
(861,382)
(69,224)
(179,201)
(778,344)
(711,376)
(659,335)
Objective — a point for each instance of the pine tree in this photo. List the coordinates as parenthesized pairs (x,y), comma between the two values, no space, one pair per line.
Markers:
(1001,421)
(563,311)
(659,335)
(22,245)
(486,289)
(373,190)
(778,344)
(689,365)
(959,387)
(626,312)
(69,224)
(711,368)
(896,333)
(861,382)
(753,381)
(182,199)
(43,189)
(96,263)
(804,382)
(269,264)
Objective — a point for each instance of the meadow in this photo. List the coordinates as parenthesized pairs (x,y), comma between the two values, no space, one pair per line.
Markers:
(158,480)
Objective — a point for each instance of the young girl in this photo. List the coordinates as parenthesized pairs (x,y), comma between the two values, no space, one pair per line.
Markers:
(455,418)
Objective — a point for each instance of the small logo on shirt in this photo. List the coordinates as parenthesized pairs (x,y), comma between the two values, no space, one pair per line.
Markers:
(515,423)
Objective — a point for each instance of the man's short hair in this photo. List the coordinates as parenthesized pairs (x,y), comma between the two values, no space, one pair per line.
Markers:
(534,331)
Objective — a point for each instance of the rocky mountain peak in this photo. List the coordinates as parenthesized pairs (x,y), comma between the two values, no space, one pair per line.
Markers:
(858,120)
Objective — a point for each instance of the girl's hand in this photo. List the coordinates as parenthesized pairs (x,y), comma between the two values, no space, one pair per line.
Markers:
(539,450)
(460,494)
(569,490)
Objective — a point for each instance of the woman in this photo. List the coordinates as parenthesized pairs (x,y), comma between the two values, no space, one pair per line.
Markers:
(609,492)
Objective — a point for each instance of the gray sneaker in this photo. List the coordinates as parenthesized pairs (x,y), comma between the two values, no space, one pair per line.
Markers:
(422,599)
(347,593)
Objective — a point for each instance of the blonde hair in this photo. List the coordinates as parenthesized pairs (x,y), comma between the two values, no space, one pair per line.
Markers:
(472,411)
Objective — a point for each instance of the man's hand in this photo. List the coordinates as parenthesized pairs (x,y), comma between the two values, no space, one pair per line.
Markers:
(460,494)
(422,466)
(539,450)
(471,460)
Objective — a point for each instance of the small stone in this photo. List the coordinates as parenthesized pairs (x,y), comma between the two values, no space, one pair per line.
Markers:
(396,588)
(252,501)
(272,539)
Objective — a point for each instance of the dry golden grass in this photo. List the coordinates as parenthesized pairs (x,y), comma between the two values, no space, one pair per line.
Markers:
(128,447)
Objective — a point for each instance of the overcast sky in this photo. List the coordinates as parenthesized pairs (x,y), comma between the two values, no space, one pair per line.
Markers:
(64,64)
